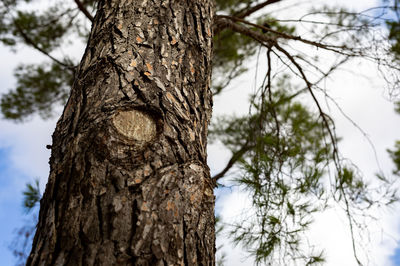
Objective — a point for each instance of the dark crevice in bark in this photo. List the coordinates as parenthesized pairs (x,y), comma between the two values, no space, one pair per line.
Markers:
(119,73)
(57,247)
(70,127)
(181,142)
(116,31)
(199,248)
(83,241)
(195,25)
(84,99)
(111,37)
(57,214)
(100,217)
(185,255)
(114,182)
(145,45)
(139,93)
(134,220)
(172,143)
(108,215)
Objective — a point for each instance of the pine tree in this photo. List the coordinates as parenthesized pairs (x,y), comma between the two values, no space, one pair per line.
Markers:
(129,182)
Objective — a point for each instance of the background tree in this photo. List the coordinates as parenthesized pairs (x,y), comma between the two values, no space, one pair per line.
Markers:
(282,145)
(393,24)
(21,246)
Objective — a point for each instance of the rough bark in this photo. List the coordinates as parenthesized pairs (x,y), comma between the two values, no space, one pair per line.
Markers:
(129,183)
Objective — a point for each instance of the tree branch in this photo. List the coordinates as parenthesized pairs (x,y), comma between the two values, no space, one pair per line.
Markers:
(335,155)
(245,12)
(229,22)
(248,11)
(28,40)
(34,45)
(235,157)
(84,10)
(323,115)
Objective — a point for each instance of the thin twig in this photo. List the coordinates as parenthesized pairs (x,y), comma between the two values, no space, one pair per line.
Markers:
(322,113)
(235,157)
(265,37)
(34,45)
(28,40)
(248,11)
(334,144)
(245,12)
(82,8)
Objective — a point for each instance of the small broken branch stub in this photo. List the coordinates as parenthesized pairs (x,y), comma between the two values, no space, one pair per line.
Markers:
(135,125)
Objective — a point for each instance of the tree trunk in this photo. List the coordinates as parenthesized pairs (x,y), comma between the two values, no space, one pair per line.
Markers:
(129,183)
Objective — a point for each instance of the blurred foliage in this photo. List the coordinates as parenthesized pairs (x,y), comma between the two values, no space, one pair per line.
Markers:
(48,30)
(45,30)
(32,195)
(395,155)
(232,6)
(21,245)
(230,51)
(39,88)
(219,228)
(394,35)
(393,24)
(285,171)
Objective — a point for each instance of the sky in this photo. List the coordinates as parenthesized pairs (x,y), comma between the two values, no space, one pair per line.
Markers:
(23,157)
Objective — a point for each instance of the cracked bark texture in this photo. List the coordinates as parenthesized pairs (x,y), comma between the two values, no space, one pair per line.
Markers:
(129,183)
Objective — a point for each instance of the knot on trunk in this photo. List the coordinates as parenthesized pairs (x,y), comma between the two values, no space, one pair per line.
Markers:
(135,125)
